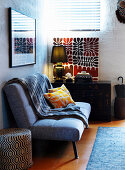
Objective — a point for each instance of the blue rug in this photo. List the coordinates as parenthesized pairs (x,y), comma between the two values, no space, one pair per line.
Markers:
(108,152)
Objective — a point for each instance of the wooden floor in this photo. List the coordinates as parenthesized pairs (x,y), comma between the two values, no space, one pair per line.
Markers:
(54,155)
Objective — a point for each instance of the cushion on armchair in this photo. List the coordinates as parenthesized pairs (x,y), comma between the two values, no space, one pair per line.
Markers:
(59,98)
(63,87)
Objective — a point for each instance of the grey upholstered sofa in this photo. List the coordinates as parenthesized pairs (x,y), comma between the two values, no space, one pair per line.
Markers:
(65,129)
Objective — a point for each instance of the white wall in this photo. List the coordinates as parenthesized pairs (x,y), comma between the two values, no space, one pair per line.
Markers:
(111,44)
(31,8)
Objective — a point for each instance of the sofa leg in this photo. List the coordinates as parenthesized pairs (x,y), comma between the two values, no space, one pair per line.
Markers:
(75,150)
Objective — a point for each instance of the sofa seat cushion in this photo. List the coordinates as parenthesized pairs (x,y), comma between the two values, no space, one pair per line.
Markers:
(66,129)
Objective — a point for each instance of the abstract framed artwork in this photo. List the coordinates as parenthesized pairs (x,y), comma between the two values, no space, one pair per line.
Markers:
(22,39)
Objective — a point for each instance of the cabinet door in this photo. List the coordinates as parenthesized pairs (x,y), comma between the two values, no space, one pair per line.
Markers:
(100,107)
(98,95)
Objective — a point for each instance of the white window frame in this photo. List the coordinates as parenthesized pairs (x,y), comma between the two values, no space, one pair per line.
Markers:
(80,15)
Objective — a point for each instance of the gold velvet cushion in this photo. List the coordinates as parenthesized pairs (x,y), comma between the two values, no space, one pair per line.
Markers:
(63,87)
(59,98)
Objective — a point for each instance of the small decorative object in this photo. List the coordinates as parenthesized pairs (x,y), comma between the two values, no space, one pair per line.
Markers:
(120,12)
(120,77)
(68,77)
(84,72)
(83,78)
(59,57)
(22,39)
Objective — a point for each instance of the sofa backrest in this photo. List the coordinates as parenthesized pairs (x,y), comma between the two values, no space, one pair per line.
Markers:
(22,109)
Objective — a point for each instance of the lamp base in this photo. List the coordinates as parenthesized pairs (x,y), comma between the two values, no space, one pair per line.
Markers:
(58,72)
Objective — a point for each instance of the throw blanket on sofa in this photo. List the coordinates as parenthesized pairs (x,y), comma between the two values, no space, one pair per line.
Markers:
(35,86)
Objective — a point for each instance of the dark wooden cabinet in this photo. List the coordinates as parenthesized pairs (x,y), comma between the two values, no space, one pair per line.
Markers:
(98,94)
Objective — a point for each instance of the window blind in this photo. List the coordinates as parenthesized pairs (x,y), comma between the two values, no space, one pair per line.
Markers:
(74,15)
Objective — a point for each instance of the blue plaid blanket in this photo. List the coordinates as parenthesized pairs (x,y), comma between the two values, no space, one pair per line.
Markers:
(35,86)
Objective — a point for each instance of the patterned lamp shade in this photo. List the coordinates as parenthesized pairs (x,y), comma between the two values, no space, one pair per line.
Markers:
(58,54)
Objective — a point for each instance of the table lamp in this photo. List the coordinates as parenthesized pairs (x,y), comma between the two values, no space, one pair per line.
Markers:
(58,57)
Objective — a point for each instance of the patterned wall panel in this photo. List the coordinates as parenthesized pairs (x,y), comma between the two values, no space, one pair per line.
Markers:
(82,54)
